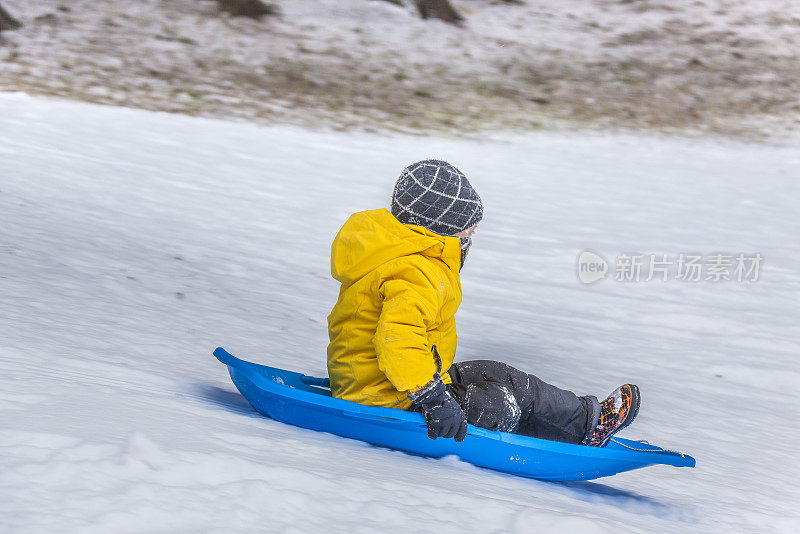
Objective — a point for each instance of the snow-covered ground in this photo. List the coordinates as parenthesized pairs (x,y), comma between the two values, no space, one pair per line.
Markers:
(721,66)
(132,243)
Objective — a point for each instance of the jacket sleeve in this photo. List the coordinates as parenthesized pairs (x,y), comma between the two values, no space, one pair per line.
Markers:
(411,304)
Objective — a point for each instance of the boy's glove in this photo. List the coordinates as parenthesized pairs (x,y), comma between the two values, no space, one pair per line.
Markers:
(443,415)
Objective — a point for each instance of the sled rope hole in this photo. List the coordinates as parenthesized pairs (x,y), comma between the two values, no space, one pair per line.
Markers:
(647,450)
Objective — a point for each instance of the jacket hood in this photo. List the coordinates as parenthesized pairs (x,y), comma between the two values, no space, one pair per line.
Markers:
(371,238)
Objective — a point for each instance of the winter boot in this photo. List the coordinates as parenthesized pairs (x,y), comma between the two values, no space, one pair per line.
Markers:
(616,412)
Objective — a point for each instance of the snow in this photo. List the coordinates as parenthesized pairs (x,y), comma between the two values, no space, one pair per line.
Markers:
(132,243)
(723,66)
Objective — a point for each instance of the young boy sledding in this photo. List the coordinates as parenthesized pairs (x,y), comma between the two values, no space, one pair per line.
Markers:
(393,332)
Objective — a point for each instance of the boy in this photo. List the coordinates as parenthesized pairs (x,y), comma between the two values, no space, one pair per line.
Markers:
(393,333)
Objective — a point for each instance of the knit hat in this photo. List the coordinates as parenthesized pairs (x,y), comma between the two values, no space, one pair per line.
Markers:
(434,194)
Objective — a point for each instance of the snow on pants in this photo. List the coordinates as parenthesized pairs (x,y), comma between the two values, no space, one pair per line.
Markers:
(499,397)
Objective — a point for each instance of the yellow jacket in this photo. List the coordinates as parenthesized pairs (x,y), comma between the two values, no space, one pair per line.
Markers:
(400,291)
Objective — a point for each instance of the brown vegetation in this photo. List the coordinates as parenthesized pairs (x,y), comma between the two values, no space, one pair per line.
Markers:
(247,8)
(677,74)
(7,22)
(439,9)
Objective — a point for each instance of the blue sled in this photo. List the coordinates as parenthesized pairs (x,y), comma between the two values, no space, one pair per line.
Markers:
(306,402)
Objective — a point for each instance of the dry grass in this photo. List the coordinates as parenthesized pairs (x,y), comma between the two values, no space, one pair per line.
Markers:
(182,56)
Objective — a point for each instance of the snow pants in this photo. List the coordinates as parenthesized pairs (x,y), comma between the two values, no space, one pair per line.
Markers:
(496,396)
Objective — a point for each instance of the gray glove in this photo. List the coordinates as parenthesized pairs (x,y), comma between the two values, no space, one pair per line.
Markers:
(443,416)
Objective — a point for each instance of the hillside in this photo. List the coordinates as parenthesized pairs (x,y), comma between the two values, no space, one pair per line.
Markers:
(711,66)
(132,243)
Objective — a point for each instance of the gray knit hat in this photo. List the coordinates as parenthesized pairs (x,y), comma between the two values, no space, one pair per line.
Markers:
(436,195)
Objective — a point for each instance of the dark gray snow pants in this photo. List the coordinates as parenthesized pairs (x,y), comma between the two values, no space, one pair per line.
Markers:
(496,396)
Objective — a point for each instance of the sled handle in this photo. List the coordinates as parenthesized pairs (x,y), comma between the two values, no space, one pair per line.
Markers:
(314,381)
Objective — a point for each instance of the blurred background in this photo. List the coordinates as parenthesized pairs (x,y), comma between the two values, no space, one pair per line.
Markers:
(458,66)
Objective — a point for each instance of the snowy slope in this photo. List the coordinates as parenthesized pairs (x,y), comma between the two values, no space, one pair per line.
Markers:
(723,66)
(133,243)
